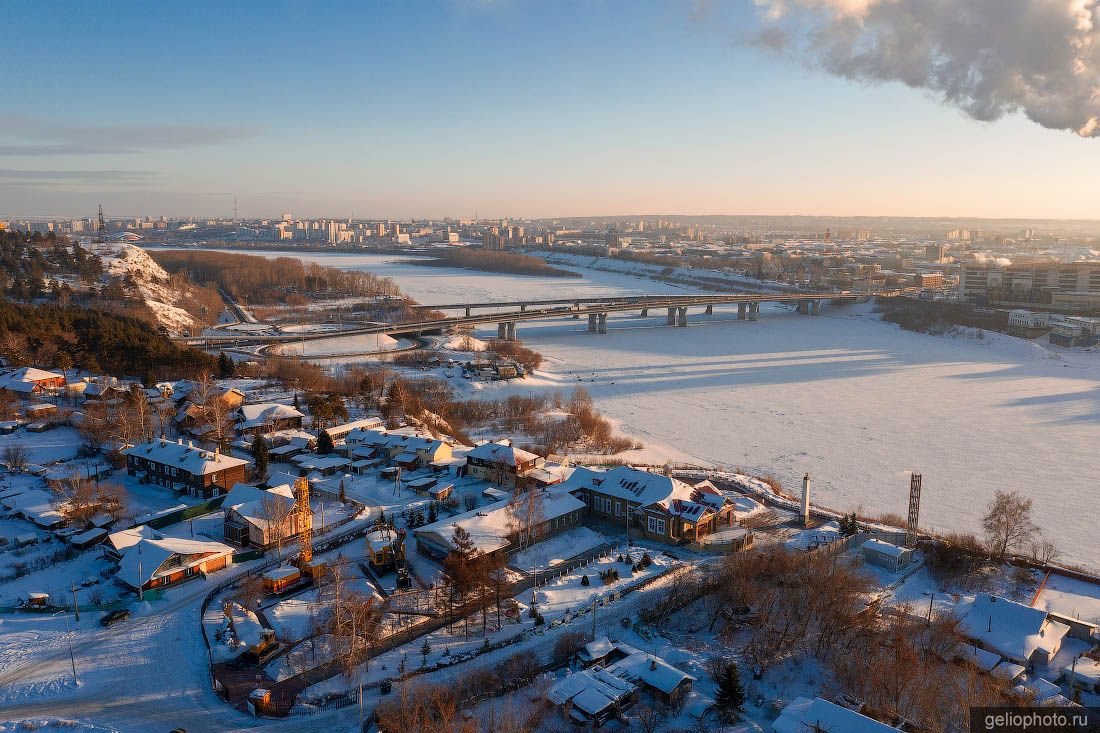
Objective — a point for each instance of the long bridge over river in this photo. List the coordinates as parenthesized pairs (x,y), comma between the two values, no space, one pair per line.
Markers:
(506,314)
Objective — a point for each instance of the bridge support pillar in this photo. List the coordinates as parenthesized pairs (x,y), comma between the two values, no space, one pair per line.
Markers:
(592,321)
(510,334)
(502,331)
(468,311)
(815,307)
(682,317)
(522,307)
(803,307)
(710,310)
(602,323)
(672,316)
(754,311)
(741,308)
(645,312)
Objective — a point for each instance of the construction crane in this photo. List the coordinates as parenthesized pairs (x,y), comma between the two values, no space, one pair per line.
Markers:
(305,531)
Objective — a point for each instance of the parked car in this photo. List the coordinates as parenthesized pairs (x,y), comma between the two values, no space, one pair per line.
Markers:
(114,617)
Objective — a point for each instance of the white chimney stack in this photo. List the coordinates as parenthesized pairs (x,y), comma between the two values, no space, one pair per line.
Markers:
(806,499)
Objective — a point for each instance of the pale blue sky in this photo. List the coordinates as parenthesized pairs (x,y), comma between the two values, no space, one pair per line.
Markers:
(514,107)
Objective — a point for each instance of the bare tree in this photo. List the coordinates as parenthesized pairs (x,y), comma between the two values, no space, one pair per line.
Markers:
(214,410)
(354,623)
(1044,550)
(16,456)
(9,405)
(277,513)
(1007,523)
(524,514)
(650,718)
(79,498)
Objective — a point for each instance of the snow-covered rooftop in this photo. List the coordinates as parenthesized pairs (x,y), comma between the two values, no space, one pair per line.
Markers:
(258,415)
(803,714)
(193,460)
(508,455)
(144,558)
(489,526)
(652,671)
(1011,629)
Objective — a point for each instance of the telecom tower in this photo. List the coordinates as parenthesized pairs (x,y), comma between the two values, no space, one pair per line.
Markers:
(101,229)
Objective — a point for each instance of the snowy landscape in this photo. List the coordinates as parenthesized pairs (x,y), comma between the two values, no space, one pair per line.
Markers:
(857,403)
(487,366)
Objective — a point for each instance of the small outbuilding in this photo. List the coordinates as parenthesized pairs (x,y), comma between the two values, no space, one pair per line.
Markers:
(886,555)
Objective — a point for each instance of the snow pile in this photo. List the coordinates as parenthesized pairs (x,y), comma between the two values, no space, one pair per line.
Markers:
(464,342)
(35,691)
(125,260)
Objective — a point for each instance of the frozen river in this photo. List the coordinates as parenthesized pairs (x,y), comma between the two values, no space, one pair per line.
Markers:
(855,402)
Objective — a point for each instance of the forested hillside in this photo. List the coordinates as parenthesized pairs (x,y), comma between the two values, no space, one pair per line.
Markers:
(26,260)
(69,335)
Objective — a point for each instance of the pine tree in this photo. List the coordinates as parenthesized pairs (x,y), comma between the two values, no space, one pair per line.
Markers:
(226,367)
(731,693)
(401,665)
(260,456)
(433,513)
(324,443)
(297,405)
(425,650)
(343,496)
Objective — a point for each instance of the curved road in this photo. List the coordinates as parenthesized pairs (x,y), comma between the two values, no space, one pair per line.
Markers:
(148,673)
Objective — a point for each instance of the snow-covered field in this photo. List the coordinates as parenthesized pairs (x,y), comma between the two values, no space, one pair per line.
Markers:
(855,402)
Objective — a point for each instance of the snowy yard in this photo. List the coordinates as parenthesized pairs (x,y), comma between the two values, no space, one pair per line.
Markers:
(568,593)
(1071,597)
(557,549)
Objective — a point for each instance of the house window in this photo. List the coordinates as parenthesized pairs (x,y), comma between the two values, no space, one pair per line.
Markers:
(657,526)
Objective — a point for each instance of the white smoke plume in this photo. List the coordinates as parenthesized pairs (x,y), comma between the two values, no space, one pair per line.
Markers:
(986,57)
(984,258)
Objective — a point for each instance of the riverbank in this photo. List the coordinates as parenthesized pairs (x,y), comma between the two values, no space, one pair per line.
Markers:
(499,262)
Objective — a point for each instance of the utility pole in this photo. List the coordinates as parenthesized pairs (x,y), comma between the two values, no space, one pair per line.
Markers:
(69,636)
(76,608)
(593,618)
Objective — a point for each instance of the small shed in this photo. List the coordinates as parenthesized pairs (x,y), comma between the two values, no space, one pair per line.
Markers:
(495,494)
(422,485)
(440,491)
(886,555)
(39,411)
(38,599)
(408,461)
(92,537)
(279,579)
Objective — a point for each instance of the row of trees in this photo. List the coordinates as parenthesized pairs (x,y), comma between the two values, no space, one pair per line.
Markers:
(496,261)
(267,281)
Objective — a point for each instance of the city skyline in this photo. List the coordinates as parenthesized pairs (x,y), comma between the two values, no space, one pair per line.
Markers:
(499,109)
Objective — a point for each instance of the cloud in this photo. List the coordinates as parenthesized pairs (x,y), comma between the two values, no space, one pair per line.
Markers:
(34,136)
(11,177)
(988,58)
